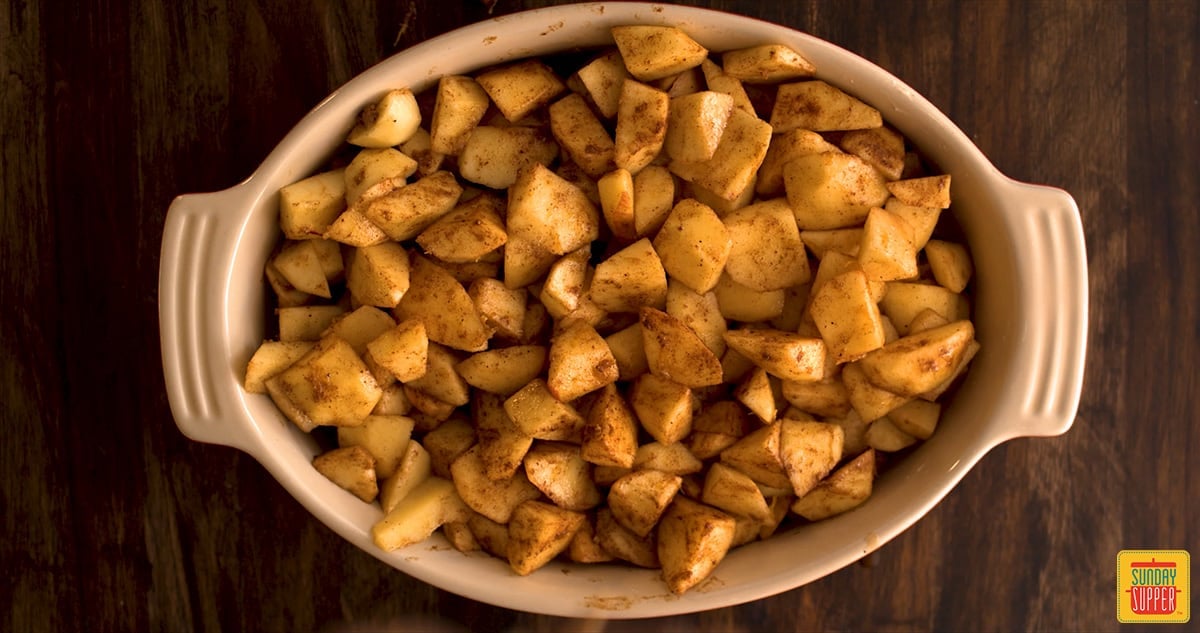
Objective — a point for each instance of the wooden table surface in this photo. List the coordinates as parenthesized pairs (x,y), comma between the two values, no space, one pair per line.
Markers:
(114,521)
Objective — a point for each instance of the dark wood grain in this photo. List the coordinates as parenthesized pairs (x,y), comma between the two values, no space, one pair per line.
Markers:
(114,521)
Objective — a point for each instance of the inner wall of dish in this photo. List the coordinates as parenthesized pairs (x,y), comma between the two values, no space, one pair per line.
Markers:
(316,138)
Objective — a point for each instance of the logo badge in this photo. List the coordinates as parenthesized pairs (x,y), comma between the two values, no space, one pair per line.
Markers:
(1153,586)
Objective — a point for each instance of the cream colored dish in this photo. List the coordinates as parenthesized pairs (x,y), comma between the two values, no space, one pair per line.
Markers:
(1030,314)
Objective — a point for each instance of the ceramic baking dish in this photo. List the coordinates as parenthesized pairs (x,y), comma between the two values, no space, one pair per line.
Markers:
(1030,312)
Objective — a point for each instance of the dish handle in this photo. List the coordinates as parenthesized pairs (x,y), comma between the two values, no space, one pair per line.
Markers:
(196,262)
(1050,231)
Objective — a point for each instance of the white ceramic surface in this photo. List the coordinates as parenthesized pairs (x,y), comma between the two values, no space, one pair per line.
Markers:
(1030,313)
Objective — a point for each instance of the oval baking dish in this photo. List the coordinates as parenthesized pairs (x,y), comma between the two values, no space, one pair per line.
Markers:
(1030,313)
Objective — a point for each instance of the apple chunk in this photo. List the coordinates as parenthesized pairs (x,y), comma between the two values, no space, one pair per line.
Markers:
(820,107)
(521,88)
(580,362)
(550,212)
(847,317)
(328,386)
(631,278)
(847,488)
(538,532)
(641,125)
(386,437)
(692,540)
(783,354)
(655,52)
(441,303)
(919,362)
(809,451)
(675,352)
(694,245)
(388,122)
(766,63)
(696,124)
(352,468)
(461,104)
(431,504)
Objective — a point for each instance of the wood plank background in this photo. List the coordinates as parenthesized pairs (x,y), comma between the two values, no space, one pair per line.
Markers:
(113,521)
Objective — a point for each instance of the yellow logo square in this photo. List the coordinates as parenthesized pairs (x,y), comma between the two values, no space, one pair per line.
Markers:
(1154,586)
